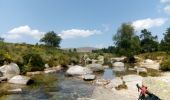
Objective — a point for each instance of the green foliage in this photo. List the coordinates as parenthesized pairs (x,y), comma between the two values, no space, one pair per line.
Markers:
(51,39)
(5,57)
(149,43)
(126,42)
(33,62)
(165,65)
(1,39)
(165,43)
(153,72)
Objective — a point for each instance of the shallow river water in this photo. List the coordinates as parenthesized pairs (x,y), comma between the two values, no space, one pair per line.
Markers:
(54,87)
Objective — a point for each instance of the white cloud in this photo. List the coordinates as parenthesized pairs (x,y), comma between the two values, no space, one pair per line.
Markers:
(167,9)
(148,23)
(164,1)
(23,31)
(76,33)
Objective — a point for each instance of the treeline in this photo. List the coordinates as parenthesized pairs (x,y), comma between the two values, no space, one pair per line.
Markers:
(128,43)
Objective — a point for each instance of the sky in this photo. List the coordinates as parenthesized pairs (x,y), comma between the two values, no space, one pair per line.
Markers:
(80,23)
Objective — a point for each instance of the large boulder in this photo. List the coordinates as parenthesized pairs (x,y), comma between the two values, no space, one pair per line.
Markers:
(25,80)
(119,66)
(10,70)
(78,70)
(95,67)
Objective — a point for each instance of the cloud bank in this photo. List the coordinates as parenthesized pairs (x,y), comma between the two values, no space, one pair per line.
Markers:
(148,23)
(23,31)
(78,33)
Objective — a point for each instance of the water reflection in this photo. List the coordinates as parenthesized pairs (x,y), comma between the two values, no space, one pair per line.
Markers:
(108,74)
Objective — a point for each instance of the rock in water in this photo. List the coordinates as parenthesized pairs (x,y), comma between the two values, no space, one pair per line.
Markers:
(20,80)
(13,91)
(78,70)
(89,77)
(10,70)
(95,67)
(141,70)
(119,66)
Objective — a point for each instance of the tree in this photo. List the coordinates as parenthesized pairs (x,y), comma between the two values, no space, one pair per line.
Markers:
(51,39)
(149,43)
(165,42)
(74,50)
(1,39)
(125,40)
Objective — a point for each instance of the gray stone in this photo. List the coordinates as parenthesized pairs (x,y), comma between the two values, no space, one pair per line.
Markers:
(141,70)
(89,77)
(20,80)
(118,66)
(13,91)
(85,99)
(118,59)
(34,73)
(3,79)
(95,67)
(102,82)
(50,71)
(78,70)
(46,66)
(10,70)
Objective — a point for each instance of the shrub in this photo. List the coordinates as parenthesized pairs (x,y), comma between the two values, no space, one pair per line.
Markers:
(5,57)
(165,65)
(33,62)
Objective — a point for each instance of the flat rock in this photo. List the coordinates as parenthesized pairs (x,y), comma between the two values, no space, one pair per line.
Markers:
(150,64)
(160,86)
(49,71)
(34,73)
(13,91)
(85,99)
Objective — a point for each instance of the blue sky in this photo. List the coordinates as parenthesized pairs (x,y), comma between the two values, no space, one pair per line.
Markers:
(80,22)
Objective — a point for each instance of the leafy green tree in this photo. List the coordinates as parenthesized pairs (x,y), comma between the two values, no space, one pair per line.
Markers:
(149,43)
(51,39)
(1,39)
(126,42)
(165,42)
(74,50)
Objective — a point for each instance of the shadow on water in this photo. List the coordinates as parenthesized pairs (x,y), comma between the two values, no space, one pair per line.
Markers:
(53,87)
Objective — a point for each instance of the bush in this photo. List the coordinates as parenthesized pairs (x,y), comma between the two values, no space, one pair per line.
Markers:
(5,57)
(165,65)
(33,62)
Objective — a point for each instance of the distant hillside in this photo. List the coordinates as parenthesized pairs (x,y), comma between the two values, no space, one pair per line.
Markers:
(82,49)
